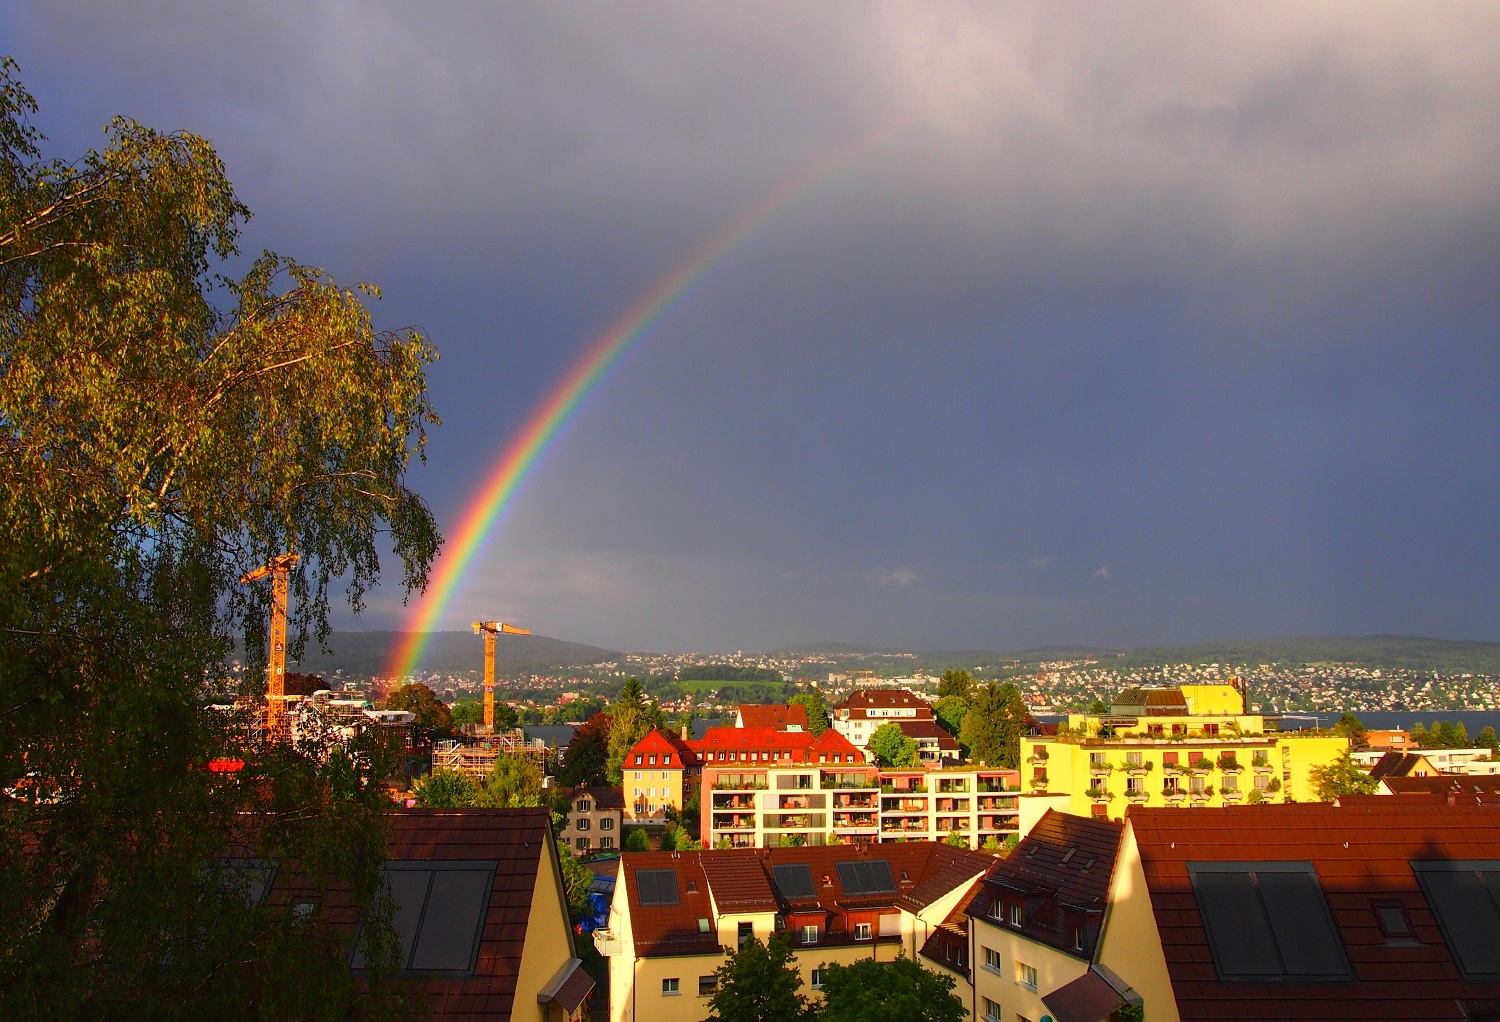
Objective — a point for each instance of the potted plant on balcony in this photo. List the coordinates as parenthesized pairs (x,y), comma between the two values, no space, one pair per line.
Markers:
(1228,762)
(1202,765)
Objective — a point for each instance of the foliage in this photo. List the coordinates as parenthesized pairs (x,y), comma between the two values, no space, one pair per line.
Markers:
(577,879)
(991,845)
(431,712)
(628,725)
(957,839)
(514,781)
(445,789)
(955,683)
(1487,740)
(636,840)
(993,726)
(729,672)
(1097,707)
(165,429)
(1341,777)
(890,747)
(584,763)
(817,711)
(791,841)
(1350,727)
(471,711)
(950,712)
(760,983)
(896,991)
(1444,734)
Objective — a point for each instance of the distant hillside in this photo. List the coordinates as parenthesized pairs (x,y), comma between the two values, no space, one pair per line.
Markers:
(1386,651)
(367,654)
(841,655)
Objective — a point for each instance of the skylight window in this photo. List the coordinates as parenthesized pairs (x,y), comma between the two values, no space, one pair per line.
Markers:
(657,886)
(1268,921)
(794,881)
(1465,898)
(872,876)
(439,914)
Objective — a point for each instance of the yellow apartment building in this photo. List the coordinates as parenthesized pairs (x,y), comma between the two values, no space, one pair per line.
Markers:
(1188,746)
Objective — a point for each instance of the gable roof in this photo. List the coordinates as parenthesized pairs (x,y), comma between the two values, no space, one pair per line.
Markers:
(1061,870)
(884,699)
(927,730)
(1459,787)
(799,746)
(739,881)
(778,716)
(517,841)
(1362,854)
(659,743)
(1399,764)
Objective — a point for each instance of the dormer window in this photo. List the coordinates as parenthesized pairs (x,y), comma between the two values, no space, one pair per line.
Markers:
(666,759)
(1013,914)
(653,759)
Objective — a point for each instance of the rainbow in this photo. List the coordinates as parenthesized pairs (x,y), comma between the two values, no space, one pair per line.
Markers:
(484,509)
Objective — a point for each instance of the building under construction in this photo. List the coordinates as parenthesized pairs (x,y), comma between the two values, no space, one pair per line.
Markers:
(476,756)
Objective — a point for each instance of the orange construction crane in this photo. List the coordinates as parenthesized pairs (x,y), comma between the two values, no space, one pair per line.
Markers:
(490,630)
(279,569)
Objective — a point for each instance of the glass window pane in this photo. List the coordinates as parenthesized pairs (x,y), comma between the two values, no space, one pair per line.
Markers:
(456,907)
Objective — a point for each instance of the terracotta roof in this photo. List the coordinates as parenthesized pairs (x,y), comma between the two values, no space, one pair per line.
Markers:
(737,881)
(1060,873)
(1395,764)
(799,746)
(884,699)
(659,742)
(1089,998)
(952,933)
(605,796)
(1362,853)
(517,841)
(927,730)
(778,716)
(1460,787)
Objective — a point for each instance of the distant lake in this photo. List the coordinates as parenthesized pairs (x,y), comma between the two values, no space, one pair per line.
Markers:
(1474,721)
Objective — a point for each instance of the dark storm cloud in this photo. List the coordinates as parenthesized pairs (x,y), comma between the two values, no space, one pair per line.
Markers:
(1136,324)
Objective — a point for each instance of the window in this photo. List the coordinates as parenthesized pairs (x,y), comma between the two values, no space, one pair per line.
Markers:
(581,824)
(666,758)
(638,790)
(669,987)
(1096,759)
(861,931)
(708,986)
(652,760)
(1135,759)
(991,1009)
(1230,783)
(810,934)
(1026,975)
(638,760)
(1268,921)
(817,979)
(439,917)
(992,959)
(1013,913)
(606,842)
(583,805)
(608,823)
(1135,786)
(638,773)
(746,932)
(1393,922)
(1465,898)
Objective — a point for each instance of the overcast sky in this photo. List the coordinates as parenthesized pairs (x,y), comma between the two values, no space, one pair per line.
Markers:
(1134,324)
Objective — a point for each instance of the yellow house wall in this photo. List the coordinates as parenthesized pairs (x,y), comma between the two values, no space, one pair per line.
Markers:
(622,964)
(665,781)
(1298,759)
(549,942)
(1206,699)
(1054,969)
(1130,945)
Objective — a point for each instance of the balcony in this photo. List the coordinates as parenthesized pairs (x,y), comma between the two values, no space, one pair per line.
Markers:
(1137,796)
(994,788)
(1139,769)
(903,805)
(1234,796)
(994,803)
(1174,795)
(1038,757)
(1101,769)
(733,822)
(854,801)
(733,802)
(1037,784)
(1099,794)
(1261,766)
(953,805)
(607,942)
(902,827)
(854,821)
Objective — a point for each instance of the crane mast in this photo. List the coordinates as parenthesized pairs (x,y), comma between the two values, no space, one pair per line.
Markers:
(279,570)
(489,629)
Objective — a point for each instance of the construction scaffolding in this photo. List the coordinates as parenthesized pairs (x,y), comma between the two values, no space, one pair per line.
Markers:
(476,758)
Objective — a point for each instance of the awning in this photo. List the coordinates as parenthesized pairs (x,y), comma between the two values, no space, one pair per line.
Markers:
(568,987)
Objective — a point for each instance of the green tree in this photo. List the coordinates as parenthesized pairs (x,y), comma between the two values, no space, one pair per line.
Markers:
(955,683)
(760,983)
(628,725)
(577,881)
(1350,727)
(431,712)
(514,781)
(817,711)
(1486,740)
(950,712)
(1341,777)
(896,991)
(445,789)
(1098,707)
(164,429)
(584,762)
(993,726)
(890,747)
(469,711)
(636,840)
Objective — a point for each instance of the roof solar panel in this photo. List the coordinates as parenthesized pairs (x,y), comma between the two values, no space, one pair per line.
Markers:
(657,886)
(1268,920)
(867,876)
(1463,897)
(795,880)
(456,905)
(249,878)
(1239,934)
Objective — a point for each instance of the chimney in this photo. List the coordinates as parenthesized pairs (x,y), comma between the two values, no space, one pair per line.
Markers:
(687,732)
(1453,791)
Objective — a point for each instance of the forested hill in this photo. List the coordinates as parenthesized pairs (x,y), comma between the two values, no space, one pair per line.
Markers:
(367,654)
(1385,651)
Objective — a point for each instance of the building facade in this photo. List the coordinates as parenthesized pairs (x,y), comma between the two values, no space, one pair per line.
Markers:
(595,820)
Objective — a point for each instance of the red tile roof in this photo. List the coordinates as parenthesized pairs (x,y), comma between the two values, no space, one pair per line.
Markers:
(778,716)
(743,880)
(927,730)
(659,743)
(517,840)
(1395,764)
(790,746)
(1361,851)
(1459,787)
(1060,873)
(860,703)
